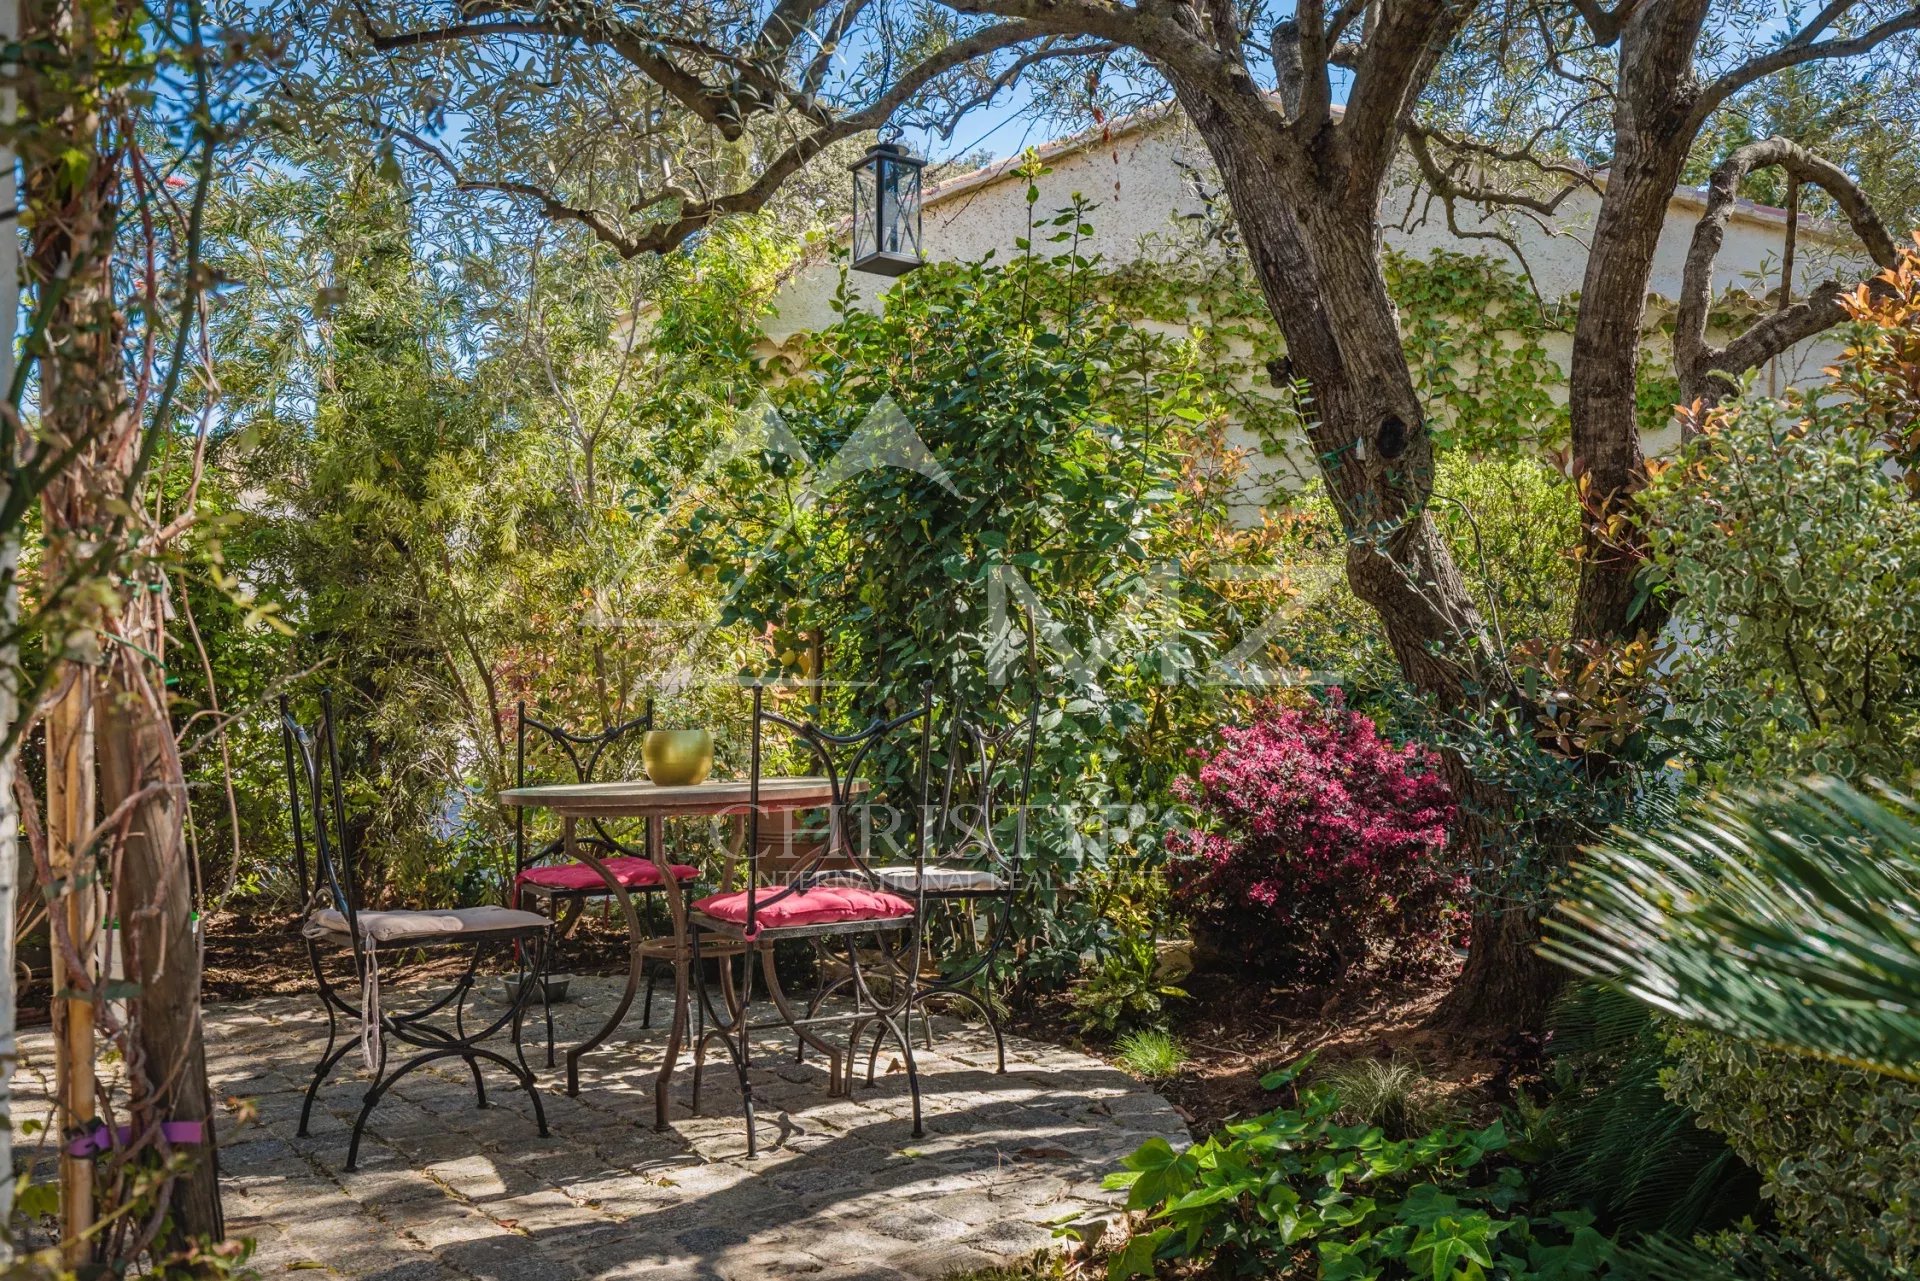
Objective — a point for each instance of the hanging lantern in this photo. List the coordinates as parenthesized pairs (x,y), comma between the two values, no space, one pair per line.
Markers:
(886,210)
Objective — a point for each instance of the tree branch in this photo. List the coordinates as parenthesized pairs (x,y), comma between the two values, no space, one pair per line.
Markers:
(642,49)
(1606,24)
(1314,102)
(696,215)
(1153,32)
(1400,53)
(783,25)
(1802,49)
(1706,372)
(1450,185)
(948,120)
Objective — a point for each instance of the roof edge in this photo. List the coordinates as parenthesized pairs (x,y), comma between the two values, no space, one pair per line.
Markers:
(1147,118)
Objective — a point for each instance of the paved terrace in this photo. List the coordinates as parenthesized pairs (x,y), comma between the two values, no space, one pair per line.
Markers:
(840,1190)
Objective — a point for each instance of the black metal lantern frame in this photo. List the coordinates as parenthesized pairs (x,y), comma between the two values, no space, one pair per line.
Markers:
(886,210)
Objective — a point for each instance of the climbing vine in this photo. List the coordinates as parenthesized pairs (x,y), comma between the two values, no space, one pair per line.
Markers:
(1477,342)
(1475,339)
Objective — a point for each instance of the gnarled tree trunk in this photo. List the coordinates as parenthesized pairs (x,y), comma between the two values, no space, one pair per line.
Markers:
(1319,268)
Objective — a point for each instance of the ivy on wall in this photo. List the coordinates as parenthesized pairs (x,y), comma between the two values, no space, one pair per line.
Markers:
(1474,335)
(1479,345)
(1476,341)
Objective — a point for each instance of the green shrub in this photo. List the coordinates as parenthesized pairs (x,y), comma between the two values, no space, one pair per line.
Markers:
(1789,544)
(1126,990)
(1295,1190)
(1150,1054)
(1839,1148)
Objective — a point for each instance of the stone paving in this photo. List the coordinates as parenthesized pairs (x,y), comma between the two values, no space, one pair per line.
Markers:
(839,1191)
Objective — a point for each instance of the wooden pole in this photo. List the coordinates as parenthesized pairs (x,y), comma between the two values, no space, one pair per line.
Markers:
(70,819)
(9,654)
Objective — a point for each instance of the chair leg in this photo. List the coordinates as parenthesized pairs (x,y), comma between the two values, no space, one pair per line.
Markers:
(460,1033)
(699,1016)
(320,1074)
(742,1060)
(913,1071)
(521,1073)
(734,1033)
(646,1007)
(885,1022)
(520,1007)
(999,1039)
(479,1085)
(384,1082)
(328,1057)
(381,1083)
(547,954)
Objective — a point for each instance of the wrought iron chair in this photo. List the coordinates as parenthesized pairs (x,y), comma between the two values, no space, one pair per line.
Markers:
(830,894)
(545,880)
(336,924)
(980,849)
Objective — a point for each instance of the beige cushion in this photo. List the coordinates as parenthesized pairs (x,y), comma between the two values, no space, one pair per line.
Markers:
(940,879)
(383,927)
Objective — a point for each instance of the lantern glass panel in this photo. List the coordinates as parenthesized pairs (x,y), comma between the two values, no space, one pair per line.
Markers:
(886,212)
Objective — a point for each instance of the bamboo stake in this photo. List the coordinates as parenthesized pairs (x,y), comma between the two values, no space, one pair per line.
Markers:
(70,818)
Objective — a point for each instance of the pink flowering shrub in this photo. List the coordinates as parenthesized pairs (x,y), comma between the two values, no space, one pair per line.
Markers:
(1318,845)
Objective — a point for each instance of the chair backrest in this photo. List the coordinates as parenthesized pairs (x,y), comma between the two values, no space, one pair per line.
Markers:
(315,795)
(583,755)
(988,780)
(842,760)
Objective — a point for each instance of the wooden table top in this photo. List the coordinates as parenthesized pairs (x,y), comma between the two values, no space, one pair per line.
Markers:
(638,798)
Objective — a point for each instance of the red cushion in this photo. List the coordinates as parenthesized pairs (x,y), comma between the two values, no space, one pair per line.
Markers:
(807,907)
(631,871)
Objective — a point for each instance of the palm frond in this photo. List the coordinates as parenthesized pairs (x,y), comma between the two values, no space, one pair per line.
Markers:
(1753,1258)
(1636,1158)
(1788,916)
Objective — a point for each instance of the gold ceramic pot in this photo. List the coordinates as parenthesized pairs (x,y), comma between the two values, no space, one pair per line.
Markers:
(678,757)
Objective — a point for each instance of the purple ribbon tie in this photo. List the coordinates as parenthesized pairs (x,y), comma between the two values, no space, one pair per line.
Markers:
(100,1139)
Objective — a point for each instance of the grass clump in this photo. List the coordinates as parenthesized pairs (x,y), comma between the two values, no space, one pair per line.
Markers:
(1391,1093)
(1150,1054)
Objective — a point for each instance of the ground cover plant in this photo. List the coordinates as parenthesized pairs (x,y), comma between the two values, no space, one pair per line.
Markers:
(1294,1192)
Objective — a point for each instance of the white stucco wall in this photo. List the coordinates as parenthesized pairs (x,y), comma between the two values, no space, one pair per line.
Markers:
(1142,180)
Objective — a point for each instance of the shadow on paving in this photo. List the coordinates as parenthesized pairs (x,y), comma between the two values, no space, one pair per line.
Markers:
(840,1190)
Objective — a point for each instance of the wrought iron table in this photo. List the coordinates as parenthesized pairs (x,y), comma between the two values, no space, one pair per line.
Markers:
(639,799)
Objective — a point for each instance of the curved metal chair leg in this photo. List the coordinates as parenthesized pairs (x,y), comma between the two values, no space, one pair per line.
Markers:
(546,1009)
(537,975)
(320,1074)
(742,1059)
(460,1031)
(913,1073)
(734,1033)
(699,1015)
(883,1025)
(523,1079)
(777,994)
(383,1083)
(987,1016)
